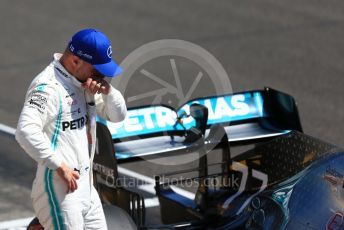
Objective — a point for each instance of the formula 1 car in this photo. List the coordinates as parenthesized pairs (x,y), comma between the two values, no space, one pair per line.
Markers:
(269,174)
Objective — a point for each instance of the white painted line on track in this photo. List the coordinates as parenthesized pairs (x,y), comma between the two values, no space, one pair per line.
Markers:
(135,175)
(183,192)
(149,187)
(15,224)
(151,202)
(7,129)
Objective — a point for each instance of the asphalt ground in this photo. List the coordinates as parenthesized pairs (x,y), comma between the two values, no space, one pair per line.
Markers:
(293,46)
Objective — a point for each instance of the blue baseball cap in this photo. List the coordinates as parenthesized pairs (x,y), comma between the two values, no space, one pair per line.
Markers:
(94,47)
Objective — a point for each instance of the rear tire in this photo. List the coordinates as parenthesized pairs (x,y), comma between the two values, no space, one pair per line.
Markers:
(117,218)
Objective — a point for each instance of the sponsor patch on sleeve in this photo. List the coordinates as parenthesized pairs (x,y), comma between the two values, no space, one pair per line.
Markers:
(38,99)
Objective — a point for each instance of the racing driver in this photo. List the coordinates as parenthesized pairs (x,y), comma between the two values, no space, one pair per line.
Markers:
(57,129)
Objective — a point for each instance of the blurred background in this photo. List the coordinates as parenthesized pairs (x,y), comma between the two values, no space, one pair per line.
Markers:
(293,46)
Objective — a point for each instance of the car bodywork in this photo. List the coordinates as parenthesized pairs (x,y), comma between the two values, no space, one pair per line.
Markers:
(288,180)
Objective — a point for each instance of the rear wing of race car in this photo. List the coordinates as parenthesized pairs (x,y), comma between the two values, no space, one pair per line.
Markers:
(246,116)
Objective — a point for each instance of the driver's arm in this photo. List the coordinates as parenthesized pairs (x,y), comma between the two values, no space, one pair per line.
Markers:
(112,106)
(41,102)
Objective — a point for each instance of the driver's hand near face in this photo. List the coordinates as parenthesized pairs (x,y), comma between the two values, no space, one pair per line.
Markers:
(97,85)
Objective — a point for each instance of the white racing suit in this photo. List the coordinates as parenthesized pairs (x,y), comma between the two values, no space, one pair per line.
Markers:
(57,124)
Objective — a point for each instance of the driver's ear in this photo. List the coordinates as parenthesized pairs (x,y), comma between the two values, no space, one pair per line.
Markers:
(76,61)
